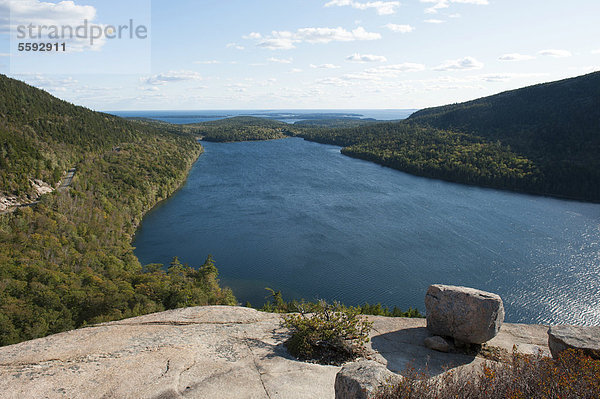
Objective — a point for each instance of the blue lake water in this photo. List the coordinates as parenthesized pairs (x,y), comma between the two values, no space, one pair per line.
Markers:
(300,217)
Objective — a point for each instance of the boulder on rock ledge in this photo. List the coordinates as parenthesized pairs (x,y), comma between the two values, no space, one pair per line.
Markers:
(466,314)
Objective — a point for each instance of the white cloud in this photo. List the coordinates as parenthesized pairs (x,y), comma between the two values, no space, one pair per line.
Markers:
(555,53)
(441,4)
(207,62)
(376,75)
(596,51)
(171,77)
(277,44)
(285,40)
(434,9)
(465,63)
(49,84)
(295,70)
(360,76)
(326,35)
(400,28)
(356,57)
(476,2)
(252,35)
(433,21)
(333,82)
(237,85)
(382,7)
(235,46)
(516,57)
(396,69)
(325,66)
(280,60)
(43,13)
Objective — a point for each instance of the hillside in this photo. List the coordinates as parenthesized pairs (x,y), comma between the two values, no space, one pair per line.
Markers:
(556,125)
(433,153)
(68,261)
(543,139)
(239,128)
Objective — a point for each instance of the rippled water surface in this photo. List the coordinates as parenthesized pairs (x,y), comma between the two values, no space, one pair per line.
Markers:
(300,217)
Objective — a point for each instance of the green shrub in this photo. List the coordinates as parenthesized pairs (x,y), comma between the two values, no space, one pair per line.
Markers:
(331,334)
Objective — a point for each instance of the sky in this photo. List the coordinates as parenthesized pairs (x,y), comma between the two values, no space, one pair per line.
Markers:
(297,54)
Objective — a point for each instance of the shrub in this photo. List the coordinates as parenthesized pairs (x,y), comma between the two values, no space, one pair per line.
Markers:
(572,375)
(331,334)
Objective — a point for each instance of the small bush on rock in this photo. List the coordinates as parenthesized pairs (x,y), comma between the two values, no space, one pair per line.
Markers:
(330,334)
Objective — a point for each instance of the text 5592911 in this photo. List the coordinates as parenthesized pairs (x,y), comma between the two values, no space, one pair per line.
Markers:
(42,47)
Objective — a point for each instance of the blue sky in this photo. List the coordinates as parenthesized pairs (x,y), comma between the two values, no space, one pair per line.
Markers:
(315,54)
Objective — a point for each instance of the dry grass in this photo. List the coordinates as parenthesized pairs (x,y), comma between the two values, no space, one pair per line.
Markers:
(573,375)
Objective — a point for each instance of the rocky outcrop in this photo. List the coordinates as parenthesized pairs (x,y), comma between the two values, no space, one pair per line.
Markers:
(200,352)
(587,339)
(466,314)
(360,380)
(9,203)
(217,352)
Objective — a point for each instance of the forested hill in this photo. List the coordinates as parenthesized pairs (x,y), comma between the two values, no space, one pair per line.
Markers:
(41,135)
(566,110)
(239,128)
(68,261)
(556,125)
(543,139)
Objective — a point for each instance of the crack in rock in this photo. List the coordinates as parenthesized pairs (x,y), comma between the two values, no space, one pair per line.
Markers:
(257,368)
(167,369)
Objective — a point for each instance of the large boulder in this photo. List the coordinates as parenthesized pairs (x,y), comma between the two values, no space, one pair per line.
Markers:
(362,379)
(587,339)
(466,314)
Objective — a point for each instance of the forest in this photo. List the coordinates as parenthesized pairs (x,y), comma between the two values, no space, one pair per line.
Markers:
(543,139)
(68,262)
(433,153)
(556,125)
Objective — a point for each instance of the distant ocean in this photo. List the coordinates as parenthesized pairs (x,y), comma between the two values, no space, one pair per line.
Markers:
(289,116)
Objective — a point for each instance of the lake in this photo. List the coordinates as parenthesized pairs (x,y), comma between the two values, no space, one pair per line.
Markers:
(300,217)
